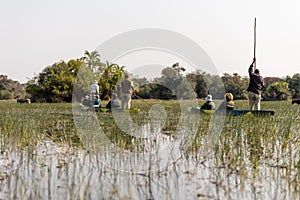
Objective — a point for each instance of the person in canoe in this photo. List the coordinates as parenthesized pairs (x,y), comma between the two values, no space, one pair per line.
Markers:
(208,104)
(86,101)
(114,103)
(228,103)
(97,101)
(255,86)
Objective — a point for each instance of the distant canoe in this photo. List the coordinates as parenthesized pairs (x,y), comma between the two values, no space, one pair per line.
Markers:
(134,110)
(235,112)
(253,112)
(296,101)
(104,109)
(199,110)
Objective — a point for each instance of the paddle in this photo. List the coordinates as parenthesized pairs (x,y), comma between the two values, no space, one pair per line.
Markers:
(141,99)
(254,64)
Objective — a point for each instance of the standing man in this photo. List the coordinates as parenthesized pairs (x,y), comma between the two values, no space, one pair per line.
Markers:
(127,88)
(94,88)
(255,87)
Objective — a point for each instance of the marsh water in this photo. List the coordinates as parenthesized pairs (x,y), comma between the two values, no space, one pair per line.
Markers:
(233,168)
(58,172)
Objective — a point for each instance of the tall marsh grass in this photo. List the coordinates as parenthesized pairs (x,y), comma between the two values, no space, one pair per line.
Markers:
(42,156)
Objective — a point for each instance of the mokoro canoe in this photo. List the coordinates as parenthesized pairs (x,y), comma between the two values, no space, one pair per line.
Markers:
(104,109)
(234,112)
(133,110)
(296,101)
(253,112)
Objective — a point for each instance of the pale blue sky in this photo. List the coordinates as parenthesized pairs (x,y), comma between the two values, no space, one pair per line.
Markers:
(36,33)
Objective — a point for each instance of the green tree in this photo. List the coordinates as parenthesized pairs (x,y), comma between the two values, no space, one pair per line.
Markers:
(6,94)
(294,85)
(185,91)
(170,79)
(170,85)
(236,85)
(277,91)
(93,62)
(109,79)
(55,83)
(215,86)
(140,81)
(82,83)
(155,91)
(11,89)
(178,68)
(197,81)
(173,80)
(270,80)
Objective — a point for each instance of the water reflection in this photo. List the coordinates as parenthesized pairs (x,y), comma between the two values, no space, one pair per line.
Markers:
(58,172)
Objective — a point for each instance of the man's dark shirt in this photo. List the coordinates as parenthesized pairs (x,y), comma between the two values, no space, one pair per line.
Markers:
(256,81)
(208,105)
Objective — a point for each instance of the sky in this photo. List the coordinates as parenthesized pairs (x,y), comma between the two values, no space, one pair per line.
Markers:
(37,33)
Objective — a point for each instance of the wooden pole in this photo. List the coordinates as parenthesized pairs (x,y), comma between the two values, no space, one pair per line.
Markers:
(254,43)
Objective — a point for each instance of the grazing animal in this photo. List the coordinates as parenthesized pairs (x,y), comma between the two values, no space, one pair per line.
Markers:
(19,100)
(297,101)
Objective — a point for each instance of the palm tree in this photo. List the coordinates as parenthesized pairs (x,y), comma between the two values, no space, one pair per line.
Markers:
(177,68)
(110,78)
(92,60)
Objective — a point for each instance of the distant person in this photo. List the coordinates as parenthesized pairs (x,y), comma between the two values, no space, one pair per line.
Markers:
(94,88)
(114,103)
(27,100)
(127,88)
(208,104)
(228,103)
(97,101)
(255,87)
(86,101)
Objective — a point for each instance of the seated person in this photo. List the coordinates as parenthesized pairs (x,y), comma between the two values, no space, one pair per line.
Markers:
(114,103)
(97,101)
(86,101)
(228,103)
(209,104)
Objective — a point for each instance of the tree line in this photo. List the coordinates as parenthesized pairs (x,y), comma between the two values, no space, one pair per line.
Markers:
(62,81)
(202,84)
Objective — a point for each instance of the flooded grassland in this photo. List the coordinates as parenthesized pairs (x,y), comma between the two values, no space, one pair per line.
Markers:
(53,151)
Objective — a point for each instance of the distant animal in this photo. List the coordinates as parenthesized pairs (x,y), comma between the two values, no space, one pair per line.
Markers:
(297,101)
(19,100)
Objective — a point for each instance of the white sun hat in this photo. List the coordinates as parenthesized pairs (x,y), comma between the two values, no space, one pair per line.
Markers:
(208,98)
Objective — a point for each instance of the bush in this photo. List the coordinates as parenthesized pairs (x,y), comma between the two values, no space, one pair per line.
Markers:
(5,94)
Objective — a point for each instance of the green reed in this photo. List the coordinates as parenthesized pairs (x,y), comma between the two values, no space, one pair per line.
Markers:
(25,125)
(247,150)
